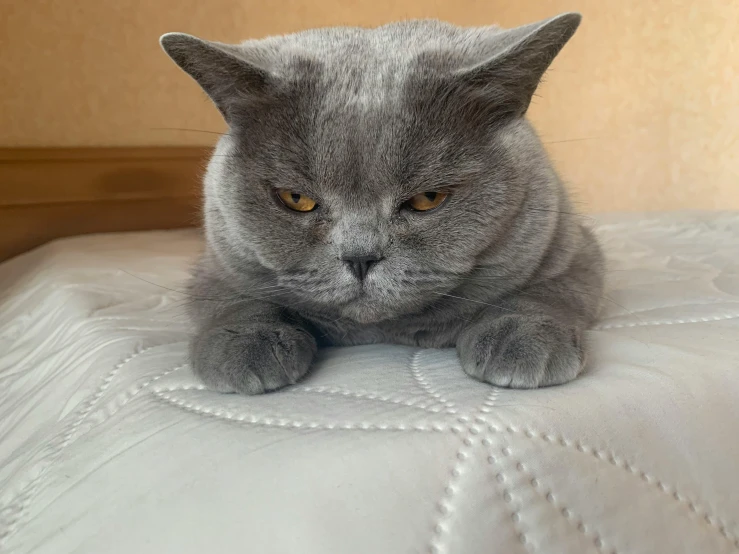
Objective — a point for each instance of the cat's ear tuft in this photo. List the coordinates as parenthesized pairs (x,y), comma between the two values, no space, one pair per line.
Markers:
(221,70)
(509,78)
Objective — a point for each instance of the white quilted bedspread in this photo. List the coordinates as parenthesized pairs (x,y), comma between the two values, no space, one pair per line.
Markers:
(109,445)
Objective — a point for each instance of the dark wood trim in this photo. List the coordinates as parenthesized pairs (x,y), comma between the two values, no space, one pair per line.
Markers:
(47,193)
(23,154)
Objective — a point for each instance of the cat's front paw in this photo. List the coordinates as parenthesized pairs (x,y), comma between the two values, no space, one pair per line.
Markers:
(252,359)
(521,351)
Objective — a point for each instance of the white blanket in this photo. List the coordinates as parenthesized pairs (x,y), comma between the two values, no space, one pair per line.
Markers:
(108,444)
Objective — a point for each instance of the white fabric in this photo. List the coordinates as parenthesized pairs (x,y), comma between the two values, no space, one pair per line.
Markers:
(109,445)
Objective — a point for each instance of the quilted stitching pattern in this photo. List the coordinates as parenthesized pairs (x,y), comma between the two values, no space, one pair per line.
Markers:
(108,443)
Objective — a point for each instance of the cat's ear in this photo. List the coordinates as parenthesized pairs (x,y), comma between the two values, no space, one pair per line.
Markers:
(509,78)
(221,70)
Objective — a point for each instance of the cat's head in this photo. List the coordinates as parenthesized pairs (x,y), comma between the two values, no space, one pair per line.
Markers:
(367,171)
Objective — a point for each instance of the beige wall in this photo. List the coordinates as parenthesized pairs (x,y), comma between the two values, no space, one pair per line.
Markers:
(640,112)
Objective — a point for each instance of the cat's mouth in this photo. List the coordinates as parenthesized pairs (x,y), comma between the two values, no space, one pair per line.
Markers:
(364,301)
(369,305)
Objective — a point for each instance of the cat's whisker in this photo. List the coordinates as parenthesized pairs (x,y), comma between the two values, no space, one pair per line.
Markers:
(503,278)
(475,301)
(513,311)
(571,140)
(573,214)
(229,300)
(567,289)
(190,130)
(193,296)
(270,296)
(264,288)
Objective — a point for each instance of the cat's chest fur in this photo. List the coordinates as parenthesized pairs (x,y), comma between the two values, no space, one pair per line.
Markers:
(412,331)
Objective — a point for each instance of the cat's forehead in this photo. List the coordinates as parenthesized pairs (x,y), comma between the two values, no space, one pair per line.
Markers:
(397,40)
(361,68)
(355,117)
(373,54)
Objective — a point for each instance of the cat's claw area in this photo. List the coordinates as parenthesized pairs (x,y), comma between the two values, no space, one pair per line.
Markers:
(521,351)
(254,358)
(514,351)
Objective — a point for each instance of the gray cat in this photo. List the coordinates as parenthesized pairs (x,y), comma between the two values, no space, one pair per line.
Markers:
(383,185)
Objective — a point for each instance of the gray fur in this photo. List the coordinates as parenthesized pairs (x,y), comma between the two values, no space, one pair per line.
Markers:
(360,120)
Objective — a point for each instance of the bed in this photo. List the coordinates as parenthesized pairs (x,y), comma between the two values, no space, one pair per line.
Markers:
(109,444)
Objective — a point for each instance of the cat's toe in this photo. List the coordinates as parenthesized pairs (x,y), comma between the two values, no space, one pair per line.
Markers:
(253,359)
(522,351)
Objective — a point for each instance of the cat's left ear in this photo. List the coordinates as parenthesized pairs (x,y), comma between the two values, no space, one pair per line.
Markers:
(508,79)
(224,71)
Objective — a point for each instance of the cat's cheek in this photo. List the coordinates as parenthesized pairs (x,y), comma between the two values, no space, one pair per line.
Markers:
(318,232)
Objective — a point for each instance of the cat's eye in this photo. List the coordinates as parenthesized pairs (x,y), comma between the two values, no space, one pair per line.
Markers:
(296,201)
(426,201)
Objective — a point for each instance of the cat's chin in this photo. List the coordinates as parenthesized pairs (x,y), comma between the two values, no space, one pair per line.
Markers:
(364,314)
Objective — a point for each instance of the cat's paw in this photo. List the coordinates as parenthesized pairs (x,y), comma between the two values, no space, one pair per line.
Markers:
(521,351)
(252,359)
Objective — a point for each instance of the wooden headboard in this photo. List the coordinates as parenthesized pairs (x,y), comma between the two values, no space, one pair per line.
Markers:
(46,193)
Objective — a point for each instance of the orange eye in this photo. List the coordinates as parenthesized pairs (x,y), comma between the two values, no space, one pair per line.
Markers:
(427,201)
(296,201)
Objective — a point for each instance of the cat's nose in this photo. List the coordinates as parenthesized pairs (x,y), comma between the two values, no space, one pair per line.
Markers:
(360,265)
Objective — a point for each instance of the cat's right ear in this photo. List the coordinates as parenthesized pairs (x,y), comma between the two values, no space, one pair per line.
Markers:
(220,69)
(508,79)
